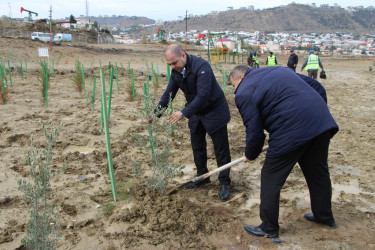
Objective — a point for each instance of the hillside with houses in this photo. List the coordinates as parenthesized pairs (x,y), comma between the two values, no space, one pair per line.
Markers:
(324,28)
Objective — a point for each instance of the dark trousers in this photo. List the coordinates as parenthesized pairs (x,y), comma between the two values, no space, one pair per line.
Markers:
(221,148)
(293,68)
(312,158)
(312,73)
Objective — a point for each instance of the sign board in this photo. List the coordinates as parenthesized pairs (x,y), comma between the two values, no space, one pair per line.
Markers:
(43,52)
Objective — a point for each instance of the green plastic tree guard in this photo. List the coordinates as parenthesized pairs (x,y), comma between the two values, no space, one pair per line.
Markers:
(107,139)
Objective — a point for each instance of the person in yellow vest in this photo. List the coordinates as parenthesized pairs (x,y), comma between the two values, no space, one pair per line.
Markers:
(255,59)
(271,60)
(312,65)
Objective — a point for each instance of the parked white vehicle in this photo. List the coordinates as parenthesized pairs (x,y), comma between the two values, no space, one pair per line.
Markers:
(60,37)
(40,36)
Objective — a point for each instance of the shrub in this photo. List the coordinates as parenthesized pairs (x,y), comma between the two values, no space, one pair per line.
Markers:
(44,80)
(159,130)
(43,227)
(4,96)
(77,77)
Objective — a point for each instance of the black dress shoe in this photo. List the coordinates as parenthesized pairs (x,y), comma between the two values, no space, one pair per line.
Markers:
(256,231)
(311,217)
(198,184)
(224,192)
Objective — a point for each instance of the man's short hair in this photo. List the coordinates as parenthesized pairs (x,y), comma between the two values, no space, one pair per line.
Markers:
(237,71)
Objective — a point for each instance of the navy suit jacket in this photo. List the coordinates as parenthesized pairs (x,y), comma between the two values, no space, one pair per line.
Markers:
(205,100)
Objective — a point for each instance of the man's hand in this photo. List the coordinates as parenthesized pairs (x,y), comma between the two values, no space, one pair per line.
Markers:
(245,158)
(175,117)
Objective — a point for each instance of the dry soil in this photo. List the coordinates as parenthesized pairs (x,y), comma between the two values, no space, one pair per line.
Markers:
(196,219)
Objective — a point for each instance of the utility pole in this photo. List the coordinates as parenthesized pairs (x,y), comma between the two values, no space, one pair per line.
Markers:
(98,32)
(87,8)
(50,28)
(10,11)
(185,31)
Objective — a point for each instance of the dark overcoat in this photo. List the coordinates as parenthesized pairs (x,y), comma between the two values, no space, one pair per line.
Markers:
(279,101)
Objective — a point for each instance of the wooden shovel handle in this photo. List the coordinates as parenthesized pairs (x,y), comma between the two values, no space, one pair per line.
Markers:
(228,165)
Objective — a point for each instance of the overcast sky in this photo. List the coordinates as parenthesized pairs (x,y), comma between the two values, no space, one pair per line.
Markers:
(155,9)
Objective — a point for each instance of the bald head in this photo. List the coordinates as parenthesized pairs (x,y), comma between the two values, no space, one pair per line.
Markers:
(175,57)
(174,49)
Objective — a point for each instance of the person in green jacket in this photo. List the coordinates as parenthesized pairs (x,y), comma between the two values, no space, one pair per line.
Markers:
(255,59)
(271,60)
(312,65)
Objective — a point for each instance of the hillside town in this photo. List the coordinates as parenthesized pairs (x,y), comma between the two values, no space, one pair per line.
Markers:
(237,41)
(278,42)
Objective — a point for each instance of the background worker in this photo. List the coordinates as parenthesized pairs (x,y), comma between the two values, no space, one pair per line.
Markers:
(300,127)
(255,59)
(250,59)
(312,65)
(206,108)
(271,60)
(293,60)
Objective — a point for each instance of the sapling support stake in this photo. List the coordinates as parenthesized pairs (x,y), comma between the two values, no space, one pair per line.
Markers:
(168,72)
(1,74)
(3,87)
(118,90)
(83,80)
(2,68)
(101,106)
(45,73)
(171,108)
(10,74)
(110,92)
(21,70)
(101,118)
(93,94)
(157,68)
(107,139)
(25,69)
(146,87)
(153,76)
(133,84)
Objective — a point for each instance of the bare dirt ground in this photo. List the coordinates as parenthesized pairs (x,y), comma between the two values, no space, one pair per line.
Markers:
(196,219)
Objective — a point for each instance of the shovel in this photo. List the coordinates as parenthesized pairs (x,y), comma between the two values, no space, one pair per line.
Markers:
(206,175)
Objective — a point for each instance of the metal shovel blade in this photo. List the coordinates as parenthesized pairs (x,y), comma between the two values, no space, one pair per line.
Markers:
(206,175)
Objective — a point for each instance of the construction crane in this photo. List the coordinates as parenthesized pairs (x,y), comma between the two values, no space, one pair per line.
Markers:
(30,12)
